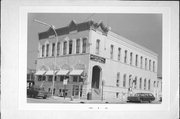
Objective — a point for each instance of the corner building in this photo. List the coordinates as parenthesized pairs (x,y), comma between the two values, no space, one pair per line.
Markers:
(89,58)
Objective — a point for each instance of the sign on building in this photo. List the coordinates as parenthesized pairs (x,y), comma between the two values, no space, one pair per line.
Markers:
(97,59)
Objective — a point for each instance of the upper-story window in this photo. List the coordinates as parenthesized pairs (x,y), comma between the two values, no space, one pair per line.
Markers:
(153,66)
(131,58)
(149,84)
(47,50)
(141,62)
(70,46)
(154,84)
(135,82)
(140,83)
(118,79)
(78,46)
(124,80)
(150,65)
(144,84)
(53,49)
(125,56)
(43,50)
(145,63)
(58,48)
(136,60)
(84,45)
(111,52)
(65,48)
(119,54)
(97,46)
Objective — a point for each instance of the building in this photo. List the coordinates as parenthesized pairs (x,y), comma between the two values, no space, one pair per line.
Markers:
(89,59)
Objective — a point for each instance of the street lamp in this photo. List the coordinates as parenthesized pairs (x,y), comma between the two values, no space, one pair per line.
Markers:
(56,36)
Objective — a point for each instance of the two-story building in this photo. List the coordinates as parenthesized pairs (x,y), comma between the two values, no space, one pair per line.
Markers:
(89,58)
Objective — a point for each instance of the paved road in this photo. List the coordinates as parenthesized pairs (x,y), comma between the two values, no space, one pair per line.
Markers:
(67,100)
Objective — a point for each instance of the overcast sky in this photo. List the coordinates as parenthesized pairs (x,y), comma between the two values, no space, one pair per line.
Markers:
(143,29)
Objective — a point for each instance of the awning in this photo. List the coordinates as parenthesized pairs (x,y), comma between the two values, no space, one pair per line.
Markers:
(50,72)
(76,72)
(40,72)
(62,72)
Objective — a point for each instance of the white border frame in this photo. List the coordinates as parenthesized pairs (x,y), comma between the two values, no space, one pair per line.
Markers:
(95,9)
(14,21)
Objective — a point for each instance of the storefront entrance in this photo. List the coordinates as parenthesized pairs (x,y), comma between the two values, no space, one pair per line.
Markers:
(96,73)
(77,91)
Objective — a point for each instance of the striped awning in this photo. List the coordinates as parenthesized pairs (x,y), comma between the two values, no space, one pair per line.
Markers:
(40,72)
(62,72)
(76,72)
(50,72)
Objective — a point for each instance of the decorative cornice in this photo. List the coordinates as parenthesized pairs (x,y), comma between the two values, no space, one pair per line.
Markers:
(73,26)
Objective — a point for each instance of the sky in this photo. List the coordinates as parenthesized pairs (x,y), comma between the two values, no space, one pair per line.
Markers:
(143,29)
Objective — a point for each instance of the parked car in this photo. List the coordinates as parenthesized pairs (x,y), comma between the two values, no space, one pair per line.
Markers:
(140,97)
(36,91)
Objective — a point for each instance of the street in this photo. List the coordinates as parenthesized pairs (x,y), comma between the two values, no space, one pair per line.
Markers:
(68,100)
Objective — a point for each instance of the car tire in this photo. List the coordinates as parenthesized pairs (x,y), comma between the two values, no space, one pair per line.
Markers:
(45,96)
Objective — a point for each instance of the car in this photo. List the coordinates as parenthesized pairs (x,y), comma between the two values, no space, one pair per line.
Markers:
(141,97)
(35,91)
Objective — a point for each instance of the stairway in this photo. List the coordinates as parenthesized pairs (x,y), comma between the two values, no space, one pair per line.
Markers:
(96,94)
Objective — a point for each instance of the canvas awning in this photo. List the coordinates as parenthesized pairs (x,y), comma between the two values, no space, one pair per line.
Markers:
(76,72)
(62,72)
(40,72)
(50,72)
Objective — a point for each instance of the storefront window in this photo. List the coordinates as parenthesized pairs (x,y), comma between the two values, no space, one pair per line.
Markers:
(50,78)
(149,84)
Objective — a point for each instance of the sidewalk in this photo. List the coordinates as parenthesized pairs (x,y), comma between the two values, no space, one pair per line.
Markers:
(68,100)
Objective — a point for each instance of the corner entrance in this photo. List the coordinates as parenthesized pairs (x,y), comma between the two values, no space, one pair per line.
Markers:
(96,73)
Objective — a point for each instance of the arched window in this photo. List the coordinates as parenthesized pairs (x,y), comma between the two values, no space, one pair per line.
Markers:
(47,50)
(145,63)
(150,65)
(43,47)
(58,48)
(124,80)
(149,84)
(153,66)
(111,52)
(135,82)
(70,46)
(131,58)
(97,46)
(144,84)
(130,80)
(141,61)
(65,48)
(119,54)
(140,83)
(78,46)
(53,49)
(136,60)
(125,56)
(118,79)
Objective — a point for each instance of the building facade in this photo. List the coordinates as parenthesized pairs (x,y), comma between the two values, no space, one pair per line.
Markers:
(89,58)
